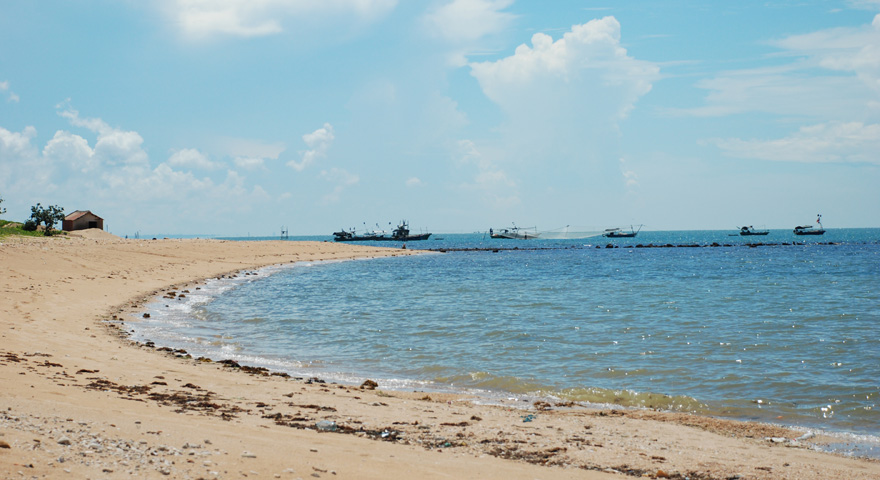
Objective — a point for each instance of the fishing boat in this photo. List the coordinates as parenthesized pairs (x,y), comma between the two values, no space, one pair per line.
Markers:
(618,233)
(750,230)
(399,234)
(515,233)
(809,229)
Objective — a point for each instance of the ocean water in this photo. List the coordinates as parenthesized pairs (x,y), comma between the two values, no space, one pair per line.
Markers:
(784,333)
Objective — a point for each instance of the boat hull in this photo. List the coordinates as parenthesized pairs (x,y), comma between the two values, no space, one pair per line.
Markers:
(619,235)
(400,234)
(408,238)
(518,236)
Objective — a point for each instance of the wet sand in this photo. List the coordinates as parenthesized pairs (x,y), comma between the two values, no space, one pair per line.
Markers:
(80,400)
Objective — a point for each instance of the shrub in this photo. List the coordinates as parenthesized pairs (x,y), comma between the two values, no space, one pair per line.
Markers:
(48,216)
(29,226)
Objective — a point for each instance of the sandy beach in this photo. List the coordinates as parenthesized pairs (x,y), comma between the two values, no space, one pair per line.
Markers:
(80,400)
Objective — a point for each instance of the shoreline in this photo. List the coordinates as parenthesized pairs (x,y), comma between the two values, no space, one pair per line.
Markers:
(75,391)
(853,440)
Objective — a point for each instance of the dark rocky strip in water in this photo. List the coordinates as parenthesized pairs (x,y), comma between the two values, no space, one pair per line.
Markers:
(640,245)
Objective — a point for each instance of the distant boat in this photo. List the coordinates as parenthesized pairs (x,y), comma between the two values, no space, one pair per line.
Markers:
(618,233)
(747,231)
(809,229)
(399,234)
(515,233)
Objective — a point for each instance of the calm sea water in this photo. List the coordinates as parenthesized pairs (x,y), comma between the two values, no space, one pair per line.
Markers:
(786,334)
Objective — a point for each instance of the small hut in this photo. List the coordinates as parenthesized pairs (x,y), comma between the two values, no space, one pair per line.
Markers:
(81,220)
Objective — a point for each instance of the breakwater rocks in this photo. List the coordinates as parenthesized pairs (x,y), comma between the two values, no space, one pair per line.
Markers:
(714,244)
(639,245)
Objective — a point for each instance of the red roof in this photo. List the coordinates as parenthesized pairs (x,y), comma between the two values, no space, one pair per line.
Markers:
(79,213)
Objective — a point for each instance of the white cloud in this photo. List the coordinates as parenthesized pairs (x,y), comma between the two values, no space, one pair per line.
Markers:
(191,158)
(852,50)
(565,99)
(630,178)
(833,73)
(113,146)
(782,91)
(318,142)
(10,95)
(488,175)
(469,20)
(72,150)
(22,169)
(835,142)
(463,24)
(587,71)
(246,147)
(113,175)
(492,182)
(16,144)
(249,163)
(414,182)
(251,18)
(342,180)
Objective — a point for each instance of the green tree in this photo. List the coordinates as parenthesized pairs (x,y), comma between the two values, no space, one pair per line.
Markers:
(2,210)
(47,216)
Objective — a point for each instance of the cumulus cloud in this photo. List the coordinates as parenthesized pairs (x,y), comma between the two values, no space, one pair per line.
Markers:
(565,99)
(252,18)
(341,179)
(413,182)
(109,170)
(318,142)
(113,146)
(586,71)
(10,95)
(23,168)
(15,145)
(73,150)
(191,158)
(835,142)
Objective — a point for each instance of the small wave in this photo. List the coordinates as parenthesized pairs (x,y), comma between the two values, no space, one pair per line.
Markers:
(629,398)
(487,381)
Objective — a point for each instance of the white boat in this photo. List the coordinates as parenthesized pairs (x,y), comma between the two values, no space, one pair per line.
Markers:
(750,230)
(618,233)
(515,233)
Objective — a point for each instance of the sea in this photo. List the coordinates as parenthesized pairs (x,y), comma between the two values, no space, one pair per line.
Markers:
(777,329)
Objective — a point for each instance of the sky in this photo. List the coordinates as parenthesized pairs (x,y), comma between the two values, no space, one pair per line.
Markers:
(238,117)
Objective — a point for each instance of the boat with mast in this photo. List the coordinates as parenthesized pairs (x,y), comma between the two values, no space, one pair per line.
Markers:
(618,233)
(809,229)
(399,234)
(750,230)
(515,233)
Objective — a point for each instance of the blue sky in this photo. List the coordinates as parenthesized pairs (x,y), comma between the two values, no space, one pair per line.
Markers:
(235,117)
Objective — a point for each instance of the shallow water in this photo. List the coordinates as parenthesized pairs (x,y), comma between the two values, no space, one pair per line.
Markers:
(785,334)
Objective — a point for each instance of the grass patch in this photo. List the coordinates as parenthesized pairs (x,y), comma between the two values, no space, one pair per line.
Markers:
(8,231)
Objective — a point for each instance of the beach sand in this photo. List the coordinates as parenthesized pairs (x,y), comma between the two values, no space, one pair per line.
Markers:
(80,400)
